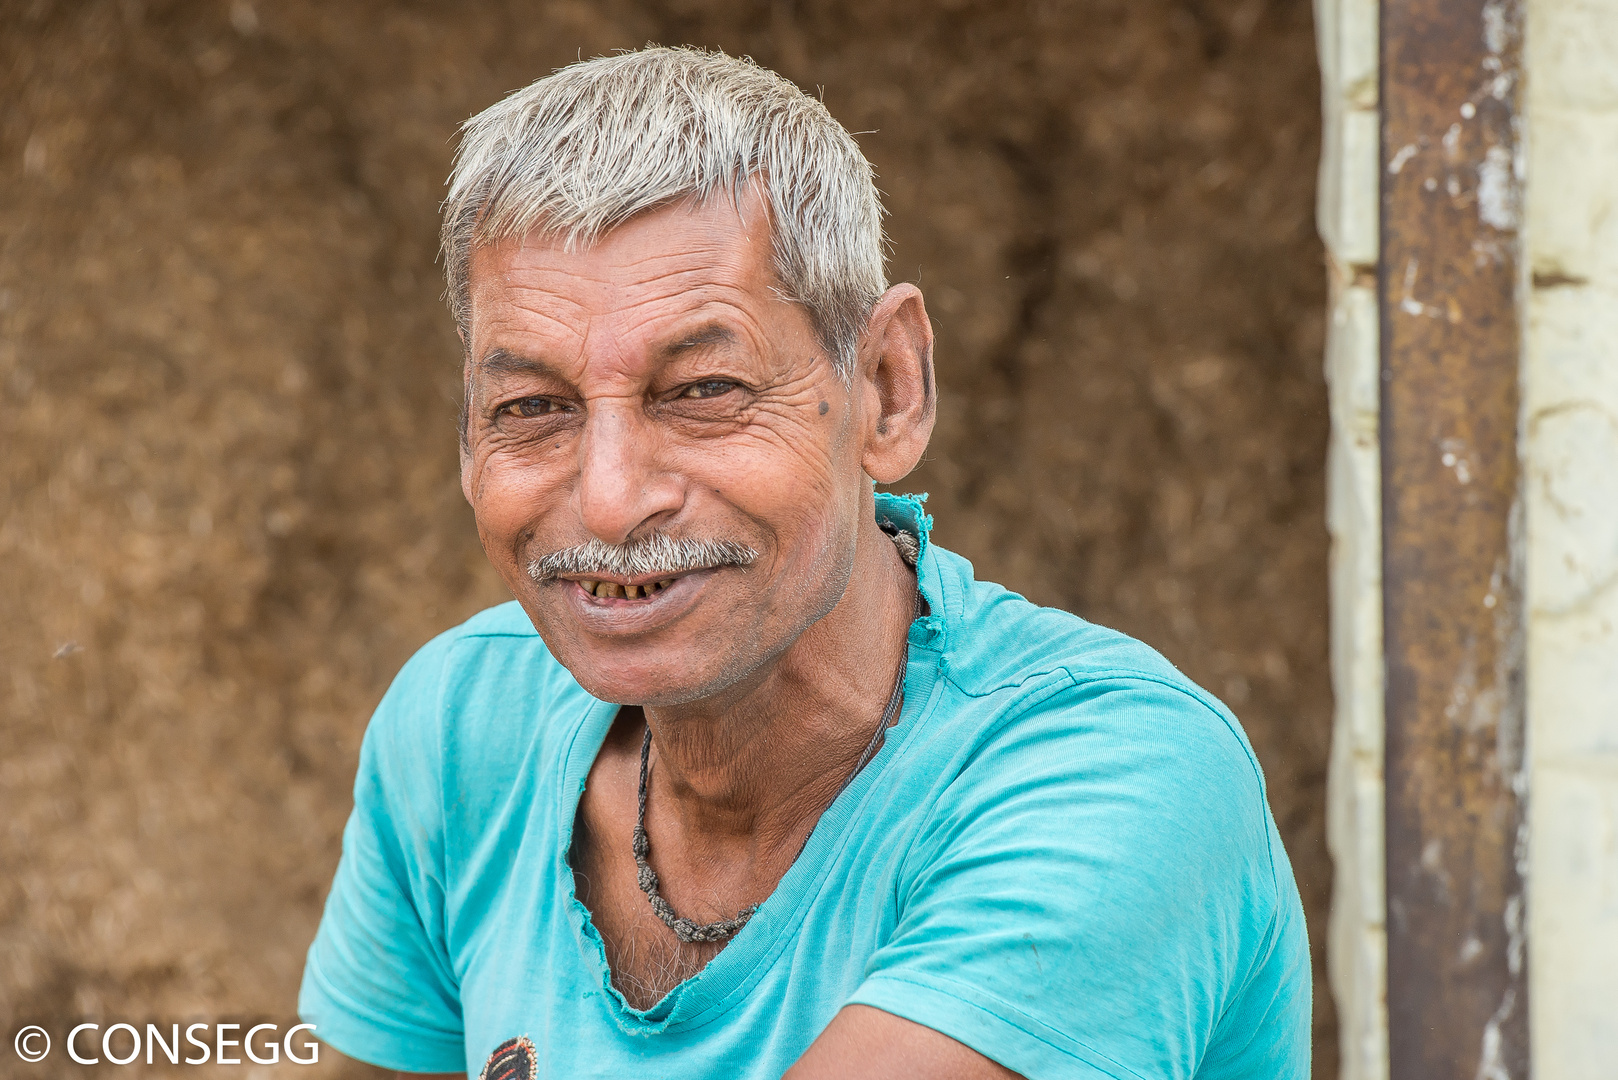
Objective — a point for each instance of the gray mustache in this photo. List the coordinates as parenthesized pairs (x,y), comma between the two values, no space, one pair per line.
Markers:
(658,555)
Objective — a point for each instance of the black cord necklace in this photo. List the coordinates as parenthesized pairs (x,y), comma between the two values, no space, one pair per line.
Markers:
(688,931)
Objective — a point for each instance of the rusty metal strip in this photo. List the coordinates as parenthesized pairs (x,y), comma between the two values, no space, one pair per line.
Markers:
(1449,284)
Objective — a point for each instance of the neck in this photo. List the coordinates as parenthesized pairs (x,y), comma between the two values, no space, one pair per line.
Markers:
(753,768)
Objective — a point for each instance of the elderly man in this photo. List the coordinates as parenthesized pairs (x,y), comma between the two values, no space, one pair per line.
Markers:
(752,778)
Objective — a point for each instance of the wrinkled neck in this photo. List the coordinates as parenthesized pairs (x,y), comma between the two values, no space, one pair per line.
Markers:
(755,766)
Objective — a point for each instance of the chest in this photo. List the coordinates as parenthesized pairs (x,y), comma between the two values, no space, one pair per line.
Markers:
(548,912)
(646,958)
(696,878)
(748,1009)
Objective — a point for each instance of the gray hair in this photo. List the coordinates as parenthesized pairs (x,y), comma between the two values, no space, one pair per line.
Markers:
(590,146)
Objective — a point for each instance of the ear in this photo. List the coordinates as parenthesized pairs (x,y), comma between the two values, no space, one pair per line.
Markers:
(895,381)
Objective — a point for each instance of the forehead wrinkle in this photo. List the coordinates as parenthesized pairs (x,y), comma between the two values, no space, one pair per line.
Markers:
(704,228)
(523,316)
(551,319)
(702,325)
(597,312)
(669,296)
(704,250)
(604,296)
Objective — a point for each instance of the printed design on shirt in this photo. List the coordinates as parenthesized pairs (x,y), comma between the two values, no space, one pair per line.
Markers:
(513,1059)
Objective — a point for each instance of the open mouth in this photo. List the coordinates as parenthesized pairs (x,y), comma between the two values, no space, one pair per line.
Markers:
(611,589)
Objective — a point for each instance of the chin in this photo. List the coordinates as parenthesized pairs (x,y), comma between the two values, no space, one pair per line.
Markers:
(655,685)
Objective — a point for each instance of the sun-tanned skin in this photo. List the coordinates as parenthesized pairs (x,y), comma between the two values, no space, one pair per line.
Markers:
(657,380)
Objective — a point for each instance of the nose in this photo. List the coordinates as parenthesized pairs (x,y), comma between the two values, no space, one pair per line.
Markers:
(621,485)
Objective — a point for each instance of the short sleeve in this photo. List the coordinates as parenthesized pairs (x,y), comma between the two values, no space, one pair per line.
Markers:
(1091,892)
(378,984)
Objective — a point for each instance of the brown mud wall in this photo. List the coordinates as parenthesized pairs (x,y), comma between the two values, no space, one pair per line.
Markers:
(228,502)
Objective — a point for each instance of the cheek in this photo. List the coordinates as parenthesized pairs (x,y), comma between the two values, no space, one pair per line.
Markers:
(509,496)
(796,453)
(807,467)
(807,492)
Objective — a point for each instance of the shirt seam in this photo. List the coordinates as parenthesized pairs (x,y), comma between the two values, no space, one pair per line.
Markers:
(1021,707)
(1023,1022)
(1110,674)
(381,1024)
(1263,798)
(1263,957)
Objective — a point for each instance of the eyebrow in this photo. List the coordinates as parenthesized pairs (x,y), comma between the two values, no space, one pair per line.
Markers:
(712,334)
(504,362)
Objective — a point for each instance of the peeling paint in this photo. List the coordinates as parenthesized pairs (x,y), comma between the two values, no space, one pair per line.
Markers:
(1450,312)
(1496,26)
(1514,934)
(1497,190)
(1491,1066)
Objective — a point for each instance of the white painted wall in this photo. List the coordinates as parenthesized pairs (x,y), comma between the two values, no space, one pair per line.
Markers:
(1348,216)
(1570,388)
(1348,219)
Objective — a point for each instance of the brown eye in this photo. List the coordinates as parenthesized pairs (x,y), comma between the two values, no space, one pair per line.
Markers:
(710,388)
(529,408)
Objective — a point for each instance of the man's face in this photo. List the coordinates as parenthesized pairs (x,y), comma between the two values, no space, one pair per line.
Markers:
(656,383)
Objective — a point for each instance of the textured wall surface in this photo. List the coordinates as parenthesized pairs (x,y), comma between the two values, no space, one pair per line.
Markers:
(1570,381)
(1570,418)
(228,499)
(1348,217)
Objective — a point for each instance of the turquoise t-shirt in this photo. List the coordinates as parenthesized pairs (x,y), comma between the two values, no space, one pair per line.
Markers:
(1062,857)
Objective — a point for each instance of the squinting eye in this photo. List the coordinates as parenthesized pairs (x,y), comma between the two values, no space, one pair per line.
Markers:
(710,388)
(531,407)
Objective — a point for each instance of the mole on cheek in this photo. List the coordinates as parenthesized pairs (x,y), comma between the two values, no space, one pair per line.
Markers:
(824,408)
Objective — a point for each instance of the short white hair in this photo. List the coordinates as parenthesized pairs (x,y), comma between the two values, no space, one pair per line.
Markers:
(590,146)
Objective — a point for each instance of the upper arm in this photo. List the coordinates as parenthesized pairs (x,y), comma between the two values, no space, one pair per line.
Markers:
(862,1043)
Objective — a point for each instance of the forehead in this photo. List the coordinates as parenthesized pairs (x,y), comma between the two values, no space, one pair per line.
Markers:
(660,265)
